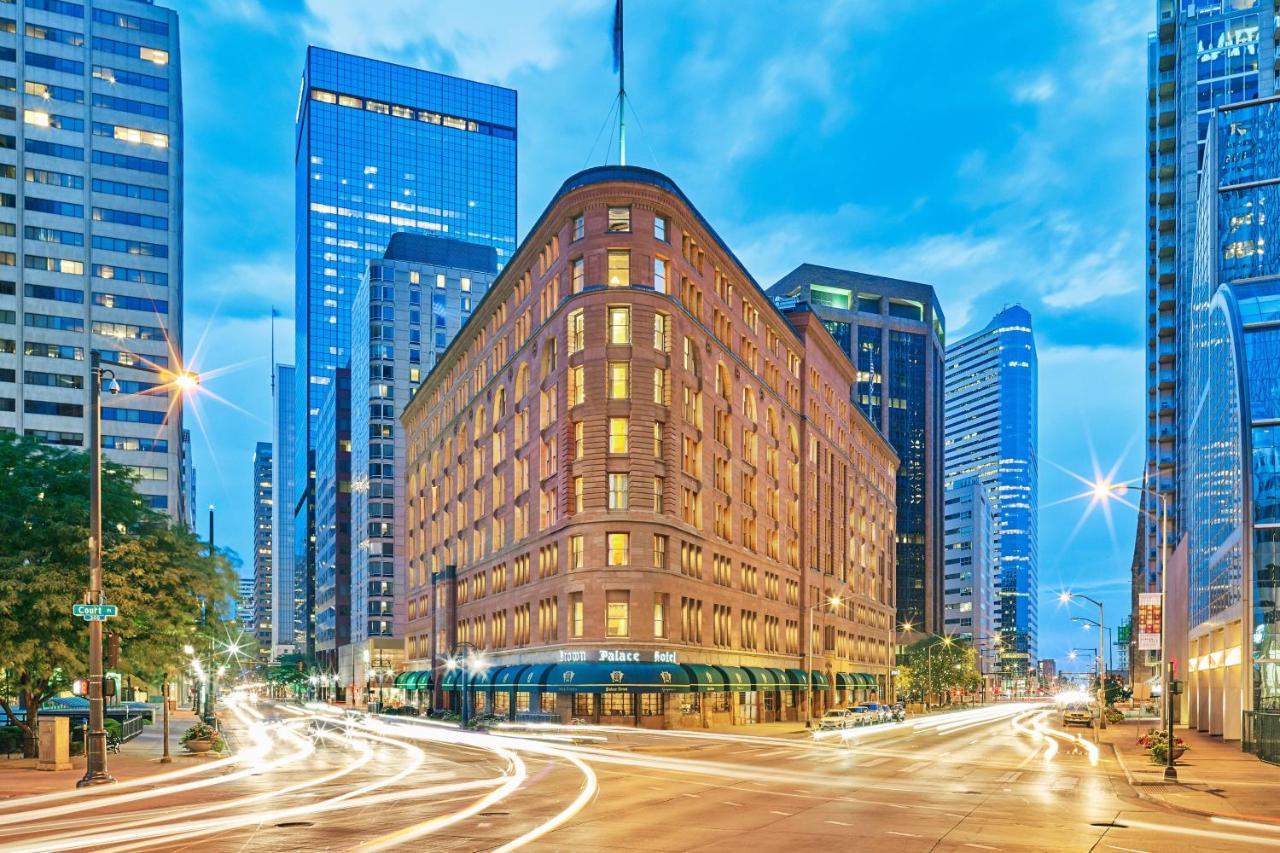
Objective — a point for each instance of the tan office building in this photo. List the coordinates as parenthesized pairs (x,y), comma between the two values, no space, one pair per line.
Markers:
(637,492)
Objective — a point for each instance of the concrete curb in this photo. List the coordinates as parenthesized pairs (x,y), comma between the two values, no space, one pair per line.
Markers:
(1157,800)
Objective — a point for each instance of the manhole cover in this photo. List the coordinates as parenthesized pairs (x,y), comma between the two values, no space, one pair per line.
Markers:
(1110,824)
(294,824)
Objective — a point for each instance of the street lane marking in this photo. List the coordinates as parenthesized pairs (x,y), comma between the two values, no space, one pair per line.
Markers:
(896,806)
(838,823)
(694,796)
(784,814)
(731,803)
(878,761)
(983,846)
(1011,776)
(1126,849)
(903,834)
(919,765)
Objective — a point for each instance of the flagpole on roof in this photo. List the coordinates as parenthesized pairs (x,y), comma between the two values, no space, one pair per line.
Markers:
(622,86)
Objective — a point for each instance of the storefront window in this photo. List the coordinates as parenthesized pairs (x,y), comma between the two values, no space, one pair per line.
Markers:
(547,703)
(617,705)
(584,705)
(720,701)
(788,698)
(522,701)
(689,703)
(501,702)
(480,701)
(651,704)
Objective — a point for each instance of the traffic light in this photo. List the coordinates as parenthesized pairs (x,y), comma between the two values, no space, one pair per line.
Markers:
(108,687)
(113,650)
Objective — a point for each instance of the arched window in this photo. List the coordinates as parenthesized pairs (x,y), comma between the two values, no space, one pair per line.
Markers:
(793,439)
(748,404)
(522,382)
(499,403)
(723,387)
(771,422)
(480,422)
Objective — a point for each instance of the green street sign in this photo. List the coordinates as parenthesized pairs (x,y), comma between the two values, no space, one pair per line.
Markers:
(95,612)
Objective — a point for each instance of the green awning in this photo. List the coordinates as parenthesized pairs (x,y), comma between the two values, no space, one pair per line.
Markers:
(421,680)
(450,680)
(864,679)
(505,679)
(797,678)
(534,677)
(845,681)
(705,679)
(403,679)
(820,680)
(766,679)
(736,678)
(611,677)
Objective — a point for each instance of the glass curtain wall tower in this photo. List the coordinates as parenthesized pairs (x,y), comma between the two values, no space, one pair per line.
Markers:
(91,172)
(284,587)
(1201,56)
(381,148)
(894,332)
(992,437)
(262,516)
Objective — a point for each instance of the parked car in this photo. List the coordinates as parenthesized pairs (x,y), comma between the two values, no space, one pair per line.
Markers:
(1077,714)
(862,715)
(836,718)
(881,713)
(899,713)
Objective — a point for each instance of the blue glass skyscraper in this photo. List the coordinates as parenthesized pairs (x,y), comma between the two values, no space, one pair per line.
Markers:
(991,429)
(382,148)
(1203,54)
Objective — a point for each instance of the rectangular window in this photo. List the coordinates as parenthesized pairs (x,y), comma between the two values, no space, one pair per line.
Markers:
(619,268)
(660,394)
(660,225)
(619,219)
(576,331)
(575,552)
(661,332)
(619,385)
(576,615)
(659,551)
(619,491)
(577,388)
(619,548)
(126,161)
(577,494)
(619,324)
(659,614)
(578,444)
(617,613)
(657,441)
(660,272)
(578,274)
(658,488)
(618,435)
(579,226)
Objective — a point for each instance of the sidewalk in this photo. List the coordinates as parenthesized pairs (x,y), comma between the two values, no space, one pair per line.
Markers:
(1214,778)
(139,757)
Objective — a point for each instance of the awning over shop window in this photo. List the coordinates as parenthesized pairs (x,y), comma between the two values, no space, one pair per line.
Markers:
(628,677)
(864,679)
(534,677)
(450,680)
(736,678)
(421,680)
(404,679)
(766,679)
(505,678)
(705,679)
(797,678)
(820,680)
(845,681)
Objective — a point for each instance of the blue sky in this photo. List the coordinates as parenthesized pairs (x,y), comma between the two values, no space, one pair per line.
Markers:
(992,149)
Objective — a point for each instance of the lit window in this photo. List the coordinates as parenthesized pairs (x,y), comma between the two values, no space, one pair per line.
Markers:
(578,443)
(657,494)
(579,275)
(619,219)
(151,54)
(661,332)
(619,268)
(619,491)
(40,119)
(619,380)
(323,96)
(575,613)
(577,389)
(576,324)
(660,386)
(575,552)
(466,285)
(619,546)
(439,281)
(619,324)
(618,614)
(618,428)
(660,274)
(577,494)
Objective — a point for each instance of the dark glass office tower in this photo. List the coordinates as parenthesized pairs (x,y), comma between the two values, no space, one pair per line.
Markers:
(382,148)
(894,332)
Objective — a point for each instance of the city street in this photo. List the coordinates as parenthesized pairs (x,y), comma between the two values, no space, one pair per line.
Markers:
(309,779)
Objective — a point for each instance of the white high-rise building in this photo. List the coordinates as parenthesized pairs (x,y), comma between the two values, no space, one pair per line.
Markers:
(91,229)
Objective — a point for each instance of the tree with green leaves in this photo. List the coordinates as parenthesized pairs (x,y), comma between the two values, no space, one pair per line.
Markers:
(157,573)
(935,665)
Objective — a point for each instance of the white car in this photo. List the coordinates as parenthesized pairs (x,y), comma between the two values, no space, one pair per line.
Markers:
(836,718)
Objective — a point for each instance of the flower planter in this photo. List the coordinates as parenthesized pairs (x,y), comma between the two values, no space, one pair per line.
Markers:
(197,745)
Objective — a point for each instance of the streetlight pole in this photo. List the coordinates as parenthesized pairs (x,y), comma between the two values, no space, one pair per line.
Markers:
(834,601)
(1066,598)
(95,748)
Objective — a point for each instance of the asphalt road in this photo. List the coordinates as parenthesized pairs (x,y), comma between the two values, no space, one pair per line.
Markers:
(306,779)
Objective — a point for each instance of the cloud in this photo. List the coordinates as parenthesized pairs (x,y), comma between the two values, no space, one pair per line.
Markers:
(1036,90)
(248,287)
(506,37)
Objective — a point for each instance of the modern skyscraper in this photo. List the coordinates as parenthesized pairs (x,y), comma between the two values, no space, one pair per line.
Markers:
(1230,478)
(263,510)
(284,586)
(1202,55)
(382,148)
(333,523)
(244,605)
(992,437)
(188,480)
(91,229)
(894,332)
(969,578)
(643,490)
(406,312)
